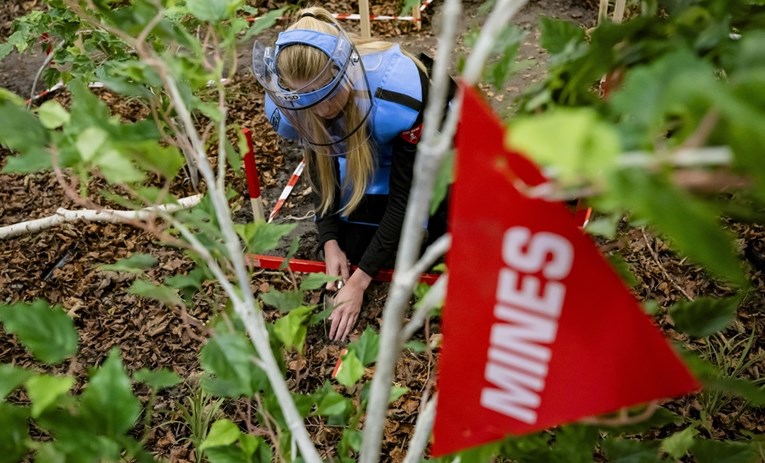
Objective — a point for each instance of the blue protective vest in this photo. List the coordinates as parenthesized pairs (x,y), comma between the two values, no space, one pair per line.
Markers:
(389,70)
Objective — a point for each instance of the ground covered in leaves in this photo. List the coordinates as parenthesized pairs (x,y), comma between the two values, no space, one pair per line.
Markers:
(62,265)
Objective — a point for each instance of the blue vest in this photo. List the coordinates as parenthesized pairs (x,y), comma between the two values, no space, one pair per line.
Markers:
(388,70)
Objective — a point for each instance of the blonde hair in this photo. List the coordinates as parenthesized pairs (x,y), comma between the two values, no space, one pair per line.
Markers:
(304,63)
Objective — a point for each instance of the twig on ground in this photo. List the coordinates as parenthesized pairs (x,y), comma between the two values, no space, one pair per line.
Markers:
(661,267)
(623,418)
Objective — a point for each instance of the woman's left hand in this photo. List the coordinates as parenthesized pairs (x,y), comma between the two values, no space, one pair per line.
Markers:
(347,303)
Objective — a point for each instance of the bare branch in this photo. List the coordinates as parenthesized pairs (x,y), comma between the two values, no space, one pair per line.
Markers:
(419,441)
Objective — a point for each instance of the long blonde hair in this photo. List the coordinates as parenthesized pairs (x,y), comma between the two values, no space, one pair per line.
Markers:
(304,63)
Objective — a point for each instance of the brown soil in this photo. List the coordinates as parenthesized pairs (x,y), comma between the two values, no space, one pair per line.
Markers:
(60,264)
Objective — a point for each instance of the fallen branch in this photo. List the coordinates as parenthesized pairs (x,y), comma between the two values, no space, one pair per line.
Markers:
(63,215)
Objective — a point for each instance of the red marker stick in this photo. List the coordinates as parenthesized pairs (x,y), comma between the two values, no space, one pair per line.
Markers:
(253,178)
(315,266)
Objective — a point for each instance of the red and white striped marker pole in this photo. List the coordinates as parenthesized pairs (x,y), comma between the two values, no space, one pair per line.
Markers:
(253,179)
(287,190)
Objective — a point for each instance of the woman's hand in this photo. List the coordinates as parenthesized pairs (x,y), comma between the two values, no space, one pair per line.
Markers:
(347,304)
(337,263)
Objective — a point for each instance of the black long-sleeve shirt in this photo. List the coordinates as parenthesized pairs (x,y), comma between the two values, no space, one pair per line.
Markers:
(387,210)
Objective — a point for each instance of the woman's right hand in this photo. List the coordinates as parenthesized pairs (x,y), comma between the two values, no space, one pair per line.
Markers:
(336,262)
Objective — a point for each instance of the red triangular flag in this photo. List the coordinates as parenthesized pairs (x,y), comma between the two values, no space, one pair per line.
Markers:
(538,329)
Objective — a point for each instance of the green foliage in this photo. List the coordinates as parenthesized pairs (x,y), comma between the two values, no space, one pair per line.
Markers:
(678,444)
(292,328)
(44,390)
(46,331)
(709,451)
(704,316)
(351,370)
(136,263)
(315,281)
(631,451)
(685,220)
(366,347)
(161,293)
(585,146)
(282,300)
(11,377)
(157,379)
(229,358)
(260,237)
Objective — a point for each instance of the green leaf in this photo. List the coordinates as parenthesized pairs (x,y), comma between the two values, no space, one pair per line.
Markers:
(746,389)
(250,444)
(678,444)
(556,34)
(136,263)
(584,145)
(90,142)
(574,444)
(7,96)
(631,451)
(117,168)
(52,114)
(351,370)
(709,451)
(396,392)
(149,155)
(21,131)
(14,431)
(264,22)
(223,432)
(46,331)
(227,454)
(45,389)
(291,329)
(230,357)
(366,347)
(416,346)
(161,293)
(108,399)
(282,300)
(664,89)
(316,280)
(260,237)
(157,379)
(212,10)
(33,160)
(688,223)
(704,316)
(5,50)
(11,377)
(333,404)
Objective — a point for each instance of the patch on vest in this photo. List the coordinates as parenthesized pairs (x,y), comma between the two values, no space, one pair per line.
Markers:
(412,136)
(276,118)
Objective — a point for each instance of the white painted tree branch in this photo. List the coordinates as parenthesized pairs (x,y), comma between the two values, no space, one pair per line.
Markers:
(431,151)
(91,215)
(242,298)
(431,300)
(426,167)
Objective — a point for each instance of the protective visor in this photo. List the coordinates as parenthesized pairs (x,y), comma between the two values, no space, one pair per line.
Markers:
(332,105)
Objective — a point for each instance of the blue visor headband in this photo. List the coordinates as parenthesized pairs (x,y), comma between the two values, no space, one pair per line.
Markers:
(338,48)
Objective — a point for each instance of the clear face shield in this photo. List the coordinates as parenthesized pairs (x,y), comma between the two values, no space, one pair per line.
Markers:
(327,108)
